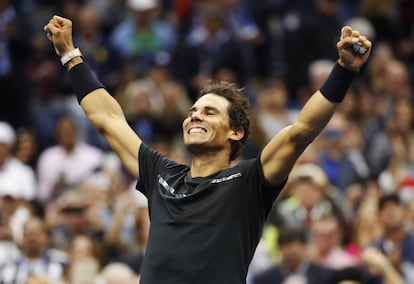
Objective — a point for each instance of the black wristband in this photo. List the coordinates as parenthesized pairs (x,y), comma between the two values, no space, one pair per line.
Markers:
(336,85)
(83,80)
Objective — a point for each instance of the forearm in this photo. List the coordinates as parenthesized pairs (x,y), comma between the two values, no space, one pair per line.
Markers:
(313,118)
(112,235)
(391,275)
(95,101)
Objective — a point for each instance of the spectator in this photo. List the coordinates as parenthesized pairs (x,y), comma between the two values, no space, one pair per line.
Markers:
(69,216)
(26,148)
(366,227)
(14,52)
(139,37)
(396,85)
(382,16)
(67,163)
(396,242)
(360,108)
(270,114)
(326,244)
(318,71)
(44,74)
(273,112)
(244,27)
(381,268)
(156,103)
(376,268)
(95,46)
(128,231)
(399,132)
(14,176)
(309,198)
(12,218)
(295,265)
(17,190)
(340,154)
(37,257)
(84,263)
(298,30)
(210,50)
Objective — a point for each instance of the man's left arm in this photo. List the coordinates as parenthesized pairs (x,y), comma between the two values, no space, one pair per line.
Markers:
(280,154)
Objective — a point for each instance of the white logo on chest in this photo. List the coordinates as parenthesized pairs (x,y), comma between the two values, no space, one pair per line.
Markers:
(230,177)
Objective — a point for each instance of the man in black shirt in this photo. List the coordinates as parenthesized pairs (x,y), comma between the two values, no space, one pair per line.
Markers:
(206,219)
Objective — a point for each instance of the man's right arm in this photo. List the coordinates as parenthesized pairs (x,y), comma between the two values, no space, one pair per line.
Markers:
(101,108)
(107,117)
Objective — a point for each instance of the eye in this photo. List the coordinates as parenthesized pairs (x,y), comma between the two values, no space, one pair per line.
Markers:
(190,112)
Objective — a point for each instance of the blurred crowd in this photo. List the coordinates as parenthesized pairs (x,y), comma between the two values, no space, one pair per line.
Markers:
(69,211)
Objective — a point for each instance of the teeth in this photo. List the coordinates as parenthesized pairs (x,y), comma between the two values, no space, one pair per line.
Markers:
(196,130)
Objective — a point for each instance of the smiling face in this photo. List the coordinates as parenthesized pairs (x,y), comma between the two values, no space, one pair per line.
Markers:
(207,125)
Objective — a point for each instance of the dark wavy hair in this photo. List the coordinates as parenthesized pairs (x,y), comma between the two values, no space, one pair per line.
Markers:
(237,111)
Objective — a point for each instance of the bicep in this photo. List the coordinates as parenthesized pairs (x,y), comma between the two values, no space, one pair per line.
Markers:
(107,117)
(125,142)
(279,156)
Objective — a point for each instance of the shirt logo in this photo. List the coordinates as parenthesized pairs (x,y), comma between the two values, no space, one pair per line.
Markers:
(230,177)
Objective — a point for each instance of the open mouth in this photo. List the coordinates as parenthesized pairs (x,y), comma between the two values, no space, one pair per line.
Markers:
(197,130)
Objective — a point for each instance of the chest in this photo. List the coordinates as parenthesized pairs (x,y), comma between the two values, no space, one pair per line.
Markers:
(218,200)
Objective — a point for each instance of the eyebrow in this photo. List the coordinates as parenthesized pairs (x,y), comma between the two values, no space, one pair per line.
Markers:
(193,108)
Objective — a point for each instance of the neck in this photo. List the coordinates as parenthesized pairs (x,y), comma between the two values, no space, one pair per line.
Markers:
(69,148)
(396,235)
(293,266)
(207,164)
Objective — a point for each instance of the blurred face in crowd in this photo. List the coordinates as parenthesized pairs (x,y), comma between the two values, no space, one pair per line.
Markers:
(392,216)
(292,254)
(67,133)
(325,234)
(34,237)
(274,96)
(8,204)
(88,21)
(396,78)
(75,217)
(82,247)
(308,192)
(26,147)
(327,7)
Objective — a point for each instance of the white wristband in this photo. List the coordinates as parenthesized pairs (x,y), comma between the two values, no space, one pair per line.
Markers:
(70,55)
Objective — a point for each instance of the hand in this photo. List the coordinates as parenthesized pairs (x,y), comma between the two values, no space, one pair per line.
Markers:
(375,260)
(59,32)
(348,58)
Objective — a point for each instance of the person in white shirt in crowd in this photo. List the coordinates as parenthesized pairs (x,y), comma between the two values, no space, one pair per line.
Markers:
(14,175)
(67,163)
(17,189)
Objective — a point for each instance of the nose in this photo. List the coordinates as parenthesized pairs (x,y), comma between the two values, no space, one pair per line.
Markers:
(195,116)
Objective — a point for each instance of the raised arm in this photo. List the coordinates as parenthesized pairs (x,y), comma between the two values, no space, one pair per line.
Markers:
(280,154)
(101,108)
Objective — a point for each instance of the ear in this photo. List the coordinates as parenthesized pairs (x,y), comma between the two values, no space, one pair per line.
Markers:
(236,134)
